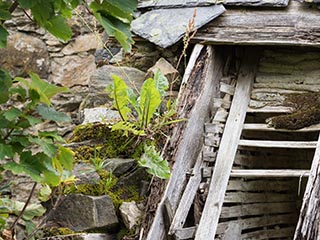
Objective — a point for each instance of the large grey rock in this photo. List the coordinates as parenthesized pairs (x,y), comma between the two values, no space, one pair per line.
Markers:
(120,166)
(130,213)
(164,27)
(103,77)
(83,213)
(72,70)
(83,43)
(24,54)
(99,114)
(85,174)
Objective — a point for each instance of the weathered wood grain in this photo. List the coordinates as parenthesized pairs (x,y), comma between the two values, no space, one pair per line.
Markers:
(278,144)
(228,146)
(202,87)
(265,127)
(308,224)
(261,185)
(269,234)
(270,109)
(295,25)
(259,173)
(263,197)
(245,210)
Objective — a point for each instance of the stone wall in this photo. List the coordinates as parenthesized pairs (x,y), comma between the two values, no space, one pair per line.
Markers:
(82,64)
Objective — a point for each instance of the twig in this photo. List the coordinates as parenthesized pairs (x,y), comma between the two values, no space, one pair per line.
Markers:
(24,207)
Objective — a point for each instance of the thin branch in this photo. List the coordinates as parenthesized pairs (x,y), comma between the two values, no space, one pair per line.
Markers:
(24,207)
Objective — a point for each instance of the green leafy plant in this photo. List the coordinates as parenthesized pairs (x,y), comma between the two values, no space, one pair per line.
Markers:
(142,116)
(115,17)
(24,104)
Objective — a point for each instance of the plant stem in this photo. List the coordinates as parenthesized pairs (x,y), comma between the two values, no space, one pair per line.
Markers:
(24,207)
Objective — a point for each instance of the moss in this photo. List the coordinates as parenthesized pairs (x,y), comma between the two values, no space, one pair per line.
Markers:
(54,231)
(109,144)
(124,232)
(124,194)
(306,112)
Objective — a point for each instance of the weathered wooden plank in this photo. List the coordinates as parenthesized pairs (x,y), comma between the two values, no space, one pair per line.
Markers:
(262,221)
(226,88)
(187,197)
(269,234)
(308,224)
(265,127)
(228,147)
(185,233)
(288,86)
(209,156)
(295,25)
(248,197)
(270,109)
(245,210)
(218,102)
(278,144)
(233,231)
(214,127)
(275,90)
(212,140)
(250,173)
(198,3)
(198,110)
(261,185)
(221,115)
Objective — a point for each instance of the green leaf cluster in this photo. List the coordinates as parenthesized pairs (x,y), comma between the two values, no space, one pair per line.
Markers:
(142,115)
(38,154)
(114,15)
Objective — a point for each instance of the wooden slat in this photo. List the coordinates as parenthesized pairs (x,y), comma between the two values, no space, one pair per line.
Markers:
(228,147)
(245,210)
(278,144)
(295,25)
(265,127)
(270,109)
(261,185)
(289,86)
(262,221)
(249,173)
(308,224)
(187,197)
(226,88)
(248,197)
(270,234)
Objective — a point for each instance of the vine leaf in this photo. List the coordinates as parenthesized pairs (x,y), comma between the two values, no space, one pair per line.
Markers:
(49,113)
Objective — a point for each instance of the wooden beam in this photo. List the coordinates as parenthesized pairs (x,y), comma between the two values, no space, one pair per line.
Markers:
(265,127)
(295,25)
(228,147)
(278,144)
(308,225)
(269,173)
(270,109)
(200,86)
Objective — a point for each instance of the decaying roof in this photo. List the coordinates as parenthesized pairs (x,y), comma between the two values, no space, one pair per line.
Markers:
(256,22)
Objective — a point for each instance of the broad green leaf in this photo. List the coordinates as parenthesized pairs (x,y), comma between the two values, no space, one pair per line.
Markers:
(132,98)
(32,210)
(161,82)
(30,227)
(4,14)
(27,3)
(12,114)
(58,27)
(43,88)
(42,11)
(3,37)
(154,163)
(32,120)
(6,151)
(20,92)
(150,100)
(118,91)
(51,134)
(5,83)
(65,157)
(49,113)
(44,193)
(18,168)
(52,178)
(47,146)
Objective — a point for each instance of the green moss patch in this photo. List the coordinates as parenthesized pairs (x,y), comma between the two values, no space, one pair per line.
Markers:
(306,112)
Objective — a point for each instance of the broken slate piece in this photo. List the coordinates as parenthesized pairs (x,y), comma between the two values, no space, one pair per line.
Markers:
(174,3)
(164,27)
(256,3)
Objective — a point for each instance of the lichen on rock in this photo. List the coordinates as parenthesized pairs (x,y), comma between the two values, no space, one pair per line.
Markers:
(306,112)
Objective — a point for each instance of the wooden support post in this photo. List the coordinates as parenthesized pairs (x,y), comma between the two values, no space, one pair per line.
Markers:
(228,147)
(196,98)
(308,227)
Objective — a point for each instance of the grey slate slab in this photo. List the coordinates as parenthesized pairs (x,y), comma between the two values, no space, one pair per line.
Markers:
(194,3)
(256,3)
(164,27)
(174,3)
